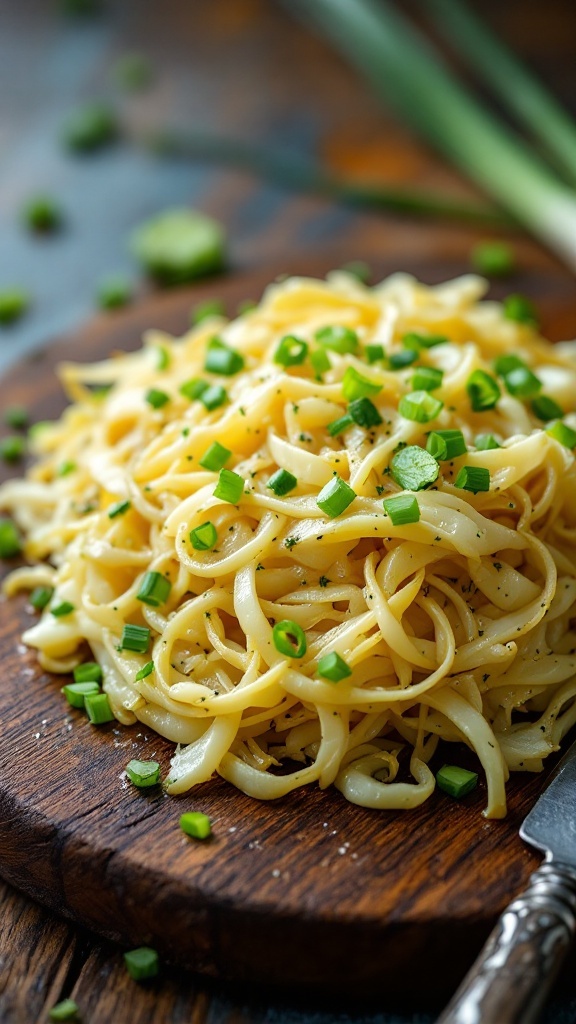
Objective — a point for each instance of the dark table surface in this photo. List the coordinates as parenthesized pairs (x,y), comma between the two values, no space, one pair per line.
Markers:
(242,68)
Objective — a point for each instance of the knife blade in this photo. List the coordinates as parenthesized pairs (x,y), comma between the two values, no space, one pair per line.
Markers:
(515,970)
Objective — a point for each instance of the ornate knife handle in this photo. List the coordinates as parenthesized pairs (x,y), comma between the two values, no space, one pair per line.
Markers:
(511,978)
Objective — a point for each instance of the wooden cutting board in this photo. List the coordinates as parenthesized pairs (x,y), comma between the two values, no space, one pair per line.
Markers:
(305,890)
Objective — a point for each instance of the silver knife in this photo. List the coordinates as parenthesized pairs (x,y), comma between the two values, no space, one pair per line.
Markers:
(514,972)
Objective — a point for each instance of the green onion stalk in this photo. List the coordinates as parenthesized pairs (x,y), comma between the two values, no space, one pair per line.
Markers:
(406,71)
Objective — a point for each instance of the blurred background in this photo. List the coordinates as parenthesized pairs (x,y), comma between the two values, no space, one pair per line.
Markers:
(115,111)
(166,74)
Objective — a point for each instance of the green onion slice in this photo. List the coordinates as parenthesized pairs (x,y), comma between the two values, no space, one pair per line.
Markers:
(413,468)
(59,611)
(420,406)
(12,448)
(456,781)
(215,457)
(213,397)
(282,482)
(10,543)
(156,398)
(40,597)
(338,338)
(416,342)
(563,433)
(426,378)
(135,638)
(446,444)
(143,774)
(320,362)
(504,364)
(374,353)
(364,413)
(230,487)
(333,667)
(65,1010)
(483,390)
(340,425)
(16,417)
(403,509)
(98,708)
(291,351)
(204,537)
(486,442)
(289,639)
(520,309)
(400,360)
(193,388)
(204,310)
(522,383)
(142,963)
(154,589)
(493,259)
(145,671)
(88,672)
(335,497)
(473,478)
(545,408)
(196,824)
(76,693)
(118,509)
(222,359)
(354,385)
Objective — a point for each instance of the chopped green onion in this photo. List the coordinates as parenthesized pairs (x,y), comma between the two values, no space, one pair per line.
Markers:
(118,509)
(364,413)
(420,406)
(196,824)
(413,468)
(143,774)
(522,383)
(209,308)
(10,544)
(291,351)
(193,388)
(359,269)
(335,497)
(520,309)
(59,611)
(456,781)
(222,359)
(179,245)
(504,364)
(114,292)
(338,338)
(473,478)
(98,708)
(145,671)
(142,963)
(156,398)
(135,638)
(545,408)
(340,425)
(289,639)
(154,589)
(403,509)
(400,360)
(132,71)
(213,397)
(12,448)
(426,378)
(41,597)
(486,442)
(493,259)
(76,693)
(66,1010)
(16,417)
(13,303)
(374,353)
(88,672)
(42,214)
(354,385)
(65,468)
(230,487)
(333,667)
(204,538)
(320,362)
(215,457)
(563,433)
(446,444)
(416,342)
(90,127)
(282,482)
(483,391)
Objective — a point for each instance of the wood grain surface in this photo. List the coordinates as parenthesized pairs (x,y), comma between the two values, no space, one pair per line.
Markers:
(307,890)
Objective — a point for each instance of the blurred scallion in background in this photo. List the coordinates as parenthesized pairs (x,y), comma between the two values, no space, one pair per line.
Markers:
(410,75)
